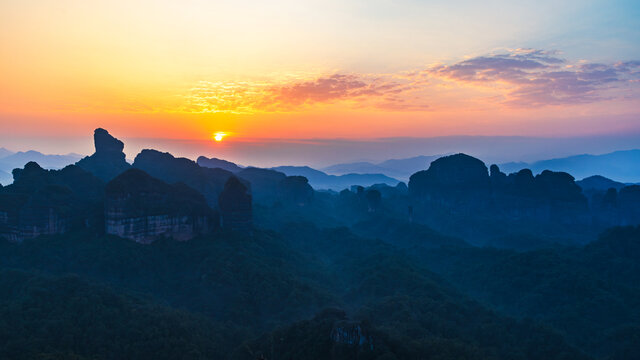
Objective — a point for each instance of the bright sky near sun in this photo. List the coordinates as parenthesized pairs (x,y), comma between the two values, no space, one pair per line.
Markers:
(319,69)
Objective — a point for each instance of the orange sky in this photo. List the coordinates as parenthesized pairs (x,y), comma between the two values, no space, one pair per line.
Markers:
(185,70)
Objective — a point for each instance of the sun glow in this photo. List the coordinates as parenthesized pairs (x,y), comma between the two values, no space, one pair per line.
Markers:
(219,136)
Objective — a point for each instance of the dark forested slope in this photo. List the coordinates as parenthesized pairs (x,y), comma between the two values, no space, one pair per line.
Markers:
(266,281)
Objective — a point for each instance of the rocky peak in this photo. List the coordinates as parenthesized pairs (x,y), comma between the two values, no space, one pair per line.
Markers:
(109,160)
(498,178)
(31,170)
(454,173)
(557,185)
(105,143)
(295,189)
(166,167)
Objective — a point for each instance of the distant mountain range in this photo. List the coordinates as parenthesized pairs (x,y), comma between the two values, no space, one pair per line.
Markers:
(317,179)
(11,160)
(4,152)
(321,180)
(622,166)
(396,168)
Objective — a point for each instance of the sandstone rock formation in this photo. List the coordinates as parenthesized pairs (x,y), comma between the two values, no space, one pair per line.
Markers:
(166,167)
(295,190)
(464,178)
(48,202)
(451,179)
(108,161)
(142,208)
(458,189)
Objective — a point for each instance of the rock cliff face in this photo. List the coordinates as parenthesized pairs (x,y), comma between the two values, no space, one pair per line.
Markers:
(295,190)
(458,189)
(142,208)
(612,203)
(463,179)
(352,334)
(44,215)
(108,161)
(166,167)
(235,206)
(48,202)
(451,177)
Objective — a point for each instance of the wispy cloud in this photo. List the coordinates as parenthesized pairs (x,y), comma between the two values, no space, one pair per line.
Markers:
(359,90)
(518,78)
(539,78)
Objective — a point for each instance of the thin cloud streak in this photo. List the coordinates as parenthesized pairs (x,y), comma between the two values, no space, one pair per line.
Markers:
(519,78)
(539,78)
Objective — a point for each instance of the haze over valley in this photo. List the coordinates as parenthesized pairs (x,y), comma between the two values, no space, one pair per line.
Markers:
(319,180)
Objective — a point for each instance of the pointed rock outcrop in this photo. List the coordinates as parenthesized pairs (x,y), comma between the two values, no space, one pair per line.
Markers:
(109,160)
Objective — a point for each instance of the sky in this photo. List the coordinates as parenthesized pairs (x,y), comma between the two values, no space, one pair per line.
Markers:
(271,74)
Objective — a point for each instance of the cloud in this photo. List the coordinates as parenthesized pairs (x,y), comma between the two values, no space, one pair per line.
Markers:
(377,91)
(539,78)
(516,78)
(361,91)
(323,89)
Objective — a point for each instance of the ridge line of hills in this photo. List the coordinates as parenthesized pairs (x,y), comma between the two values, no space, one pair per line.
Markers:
(173,259)
(622,166)
(458,185)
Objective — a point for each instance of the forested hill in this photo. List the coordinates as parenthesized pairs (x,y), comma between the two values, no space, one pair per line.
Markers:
(164,258)
(225,293)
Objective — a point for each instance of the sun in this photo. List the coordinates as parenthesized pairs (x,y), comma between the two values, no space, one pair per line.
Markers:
(219,136)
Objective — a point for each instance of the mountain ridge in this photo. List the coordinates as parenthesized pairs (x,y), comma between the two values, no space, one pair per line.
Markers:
(321,180)
(622,165)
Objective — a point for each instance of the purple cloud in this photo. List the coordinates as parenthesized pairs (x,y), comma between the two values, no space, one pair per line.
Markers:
(541,78)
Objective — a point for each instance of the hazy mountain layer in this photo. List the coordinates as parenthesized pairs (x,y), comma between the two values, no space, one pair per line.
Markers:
(397,168)
(622,166)
(10,161)
(321,180)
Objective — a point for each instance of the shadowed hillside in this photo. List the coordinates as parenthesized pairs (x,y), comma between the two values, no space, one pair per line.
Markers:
(170,259)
